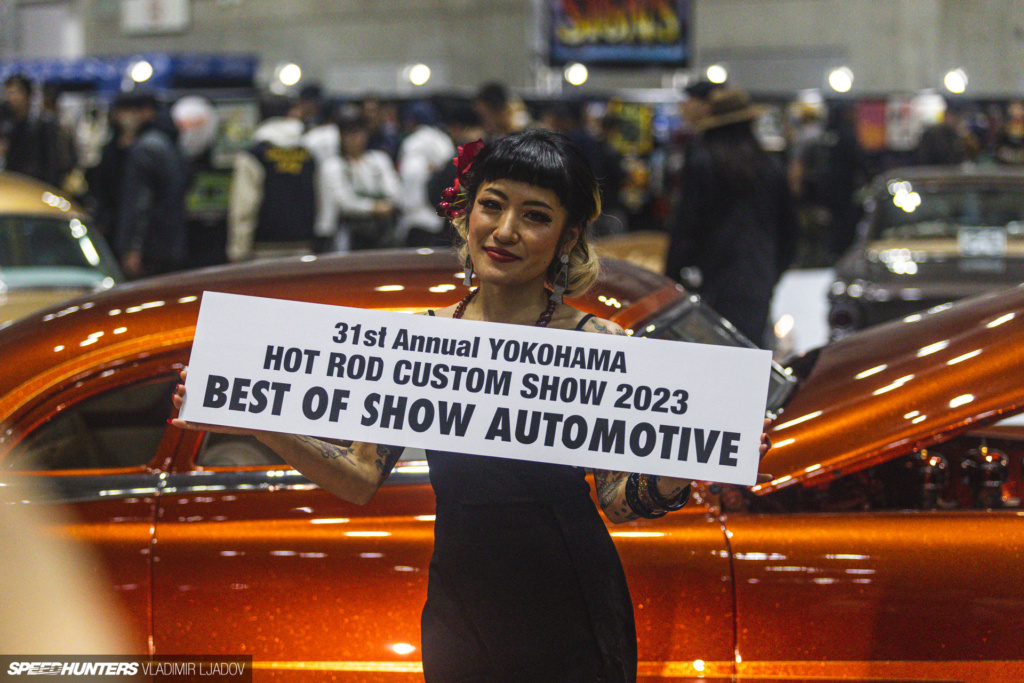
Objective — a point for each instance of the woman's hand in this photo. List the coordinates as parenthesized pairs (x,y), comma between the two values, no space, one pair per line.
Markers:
(766,445)
(178,397)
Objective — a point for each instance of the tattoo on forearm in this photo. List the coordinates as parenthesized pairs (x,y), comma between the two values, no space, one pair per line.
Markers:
(609,492)
(327,450)
(601,328)
(606,489)
(387,456)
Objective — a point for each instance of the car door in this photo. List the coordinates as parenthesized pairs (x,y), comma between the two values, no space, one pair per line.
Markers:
(251,558)
(907,570)
(680,580)
(94,448)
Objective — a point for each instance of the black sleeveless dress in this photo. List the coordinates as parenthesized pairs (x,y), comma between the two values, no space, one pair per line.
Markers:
(525,583)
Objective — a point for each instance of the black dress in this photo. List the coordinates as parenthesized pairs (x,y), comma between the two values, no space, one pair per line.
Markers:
(525,583)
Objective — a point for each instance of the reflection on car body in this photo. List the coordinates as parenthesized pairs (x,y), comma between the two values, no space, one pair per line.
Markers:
(888,545)
(48,249)
(930,236)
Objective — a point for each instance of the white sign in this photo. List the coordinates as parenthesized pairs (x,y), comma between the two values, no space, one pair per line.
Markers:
(556,396)
(141,17)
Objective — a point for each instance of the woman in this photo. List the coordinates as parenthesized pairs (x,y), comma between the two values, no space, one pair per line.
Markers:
(525,583)
(358,190)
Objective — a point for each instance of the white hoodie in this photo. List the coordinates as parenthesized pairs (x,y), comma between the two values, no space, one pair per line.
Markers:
(421,154)
(247,184)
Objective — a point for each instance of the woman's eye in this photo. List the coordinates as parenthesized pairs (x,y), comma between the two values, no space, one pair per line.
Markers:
(489,204)
(538,217)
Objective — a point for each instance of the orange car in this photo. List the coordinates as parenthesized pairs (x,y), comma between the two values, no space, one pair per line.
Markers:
(890,544)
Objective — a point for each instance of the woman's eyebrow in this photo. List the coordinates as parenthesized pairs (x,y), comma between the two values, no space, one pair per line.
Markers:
(528,202)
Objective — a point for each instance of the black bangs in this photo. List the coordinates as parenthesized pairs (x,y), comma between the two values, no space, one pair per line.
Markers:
(544,159)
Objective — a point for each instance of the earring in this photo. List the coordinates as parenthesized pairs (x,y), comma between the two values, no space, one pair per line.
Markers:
(561,280)
(467,272)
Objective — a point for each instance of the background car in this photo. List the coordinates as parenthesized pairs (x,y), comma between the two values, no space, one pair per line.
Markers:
(930,235)
(887,546)
(49,251)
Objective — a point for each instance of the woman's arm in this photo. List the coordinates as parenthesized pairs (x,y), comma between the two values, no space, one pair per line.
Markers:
(611,486)
(352,471)
(611,494)
(618,503)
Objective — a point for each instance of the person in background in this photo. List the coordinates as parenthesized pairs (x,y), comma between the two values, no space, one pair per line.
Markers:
(358,190)
(948,142)
(463,126)
(28,141)
(105,180)
(272,208)
(152,236)
(494,107)
(324,143)
(425,150)
(1010,144)
(206,204)
(695,106)
(64,152)
(382,121)
(847,172)
(736,221)
(808,169)
(310,105)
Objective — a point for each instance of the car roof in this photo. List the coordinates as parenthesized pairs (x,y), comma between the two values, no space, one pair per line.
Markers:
(54,345)
(24,196)
(898,387)
(962,175)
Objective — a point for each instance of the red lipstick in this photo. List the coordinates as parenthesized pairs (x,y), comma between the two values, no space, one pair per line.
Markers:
(500,255)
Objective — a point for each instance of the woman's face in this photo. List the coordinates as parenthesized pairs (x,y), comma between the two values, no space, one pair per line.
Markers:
(353,142)
(514,232)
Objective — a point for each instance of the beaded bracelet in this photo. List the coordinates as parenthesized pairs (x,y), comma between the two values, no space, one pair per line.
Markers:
(636,503)
(657,500)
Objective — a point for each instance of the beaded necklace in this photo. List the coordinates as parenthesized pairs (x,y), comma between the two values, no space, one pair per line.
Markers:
(542,321)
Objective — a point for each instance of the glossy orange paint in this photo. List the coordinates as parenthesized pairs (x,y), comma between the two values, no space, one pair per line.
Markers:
(46,351)
(903,386)
(258,561)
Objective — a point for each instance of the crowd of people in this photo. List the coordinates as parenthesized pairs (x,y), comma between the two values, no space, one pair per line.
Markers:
(319,175)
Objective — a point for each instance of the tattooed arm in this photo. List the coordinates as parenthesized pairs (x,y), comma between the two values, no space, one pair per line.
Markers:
(350,470)
(611,493)
(611,486)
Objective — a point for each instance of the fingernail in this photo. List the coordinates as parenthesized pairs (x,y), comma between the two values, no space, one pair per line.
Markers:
(180,386)
(170,422)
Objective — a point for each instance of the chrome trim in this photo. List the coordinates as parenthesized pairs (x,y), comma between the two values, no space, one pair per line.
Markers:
(84,488)
(201,481)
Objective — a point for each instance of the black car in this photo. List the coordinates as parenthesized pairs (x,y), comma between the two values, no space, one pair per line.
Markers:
(930,236)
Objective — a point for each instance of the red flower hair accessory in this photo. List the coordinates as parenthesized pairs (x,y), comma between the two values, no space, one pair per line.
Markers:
(454,200)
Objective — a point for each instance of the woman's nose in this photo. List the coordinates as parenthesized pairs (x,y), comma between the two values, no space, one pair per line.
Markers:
(507,228)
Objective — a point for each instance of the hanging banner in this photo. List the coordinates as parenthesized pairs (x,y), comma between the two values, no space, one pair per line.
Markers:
(557,396)
(630,33)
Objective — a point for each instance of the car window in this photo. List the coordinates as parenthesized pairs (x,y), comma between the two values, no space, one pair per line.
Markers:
(234,450)
(118,428)
(690,321)
(47,251)
(942,213)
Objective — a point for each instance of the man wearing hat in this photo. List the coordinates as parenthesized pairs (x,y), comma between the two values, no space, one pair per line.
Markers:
(735,221)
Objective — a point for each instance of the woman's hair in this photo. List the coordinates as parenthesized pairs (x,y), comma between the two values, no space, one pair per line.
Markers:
(551,161)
